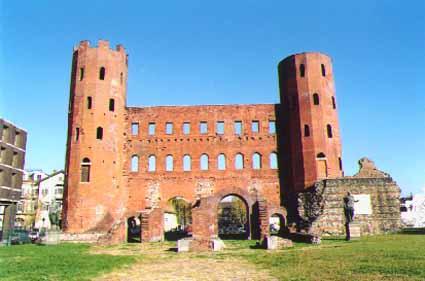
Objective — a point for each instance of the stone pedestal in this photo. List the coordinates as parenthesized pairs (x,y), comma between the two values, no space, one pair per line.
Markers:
(52,237)
(276,243)
(197,245)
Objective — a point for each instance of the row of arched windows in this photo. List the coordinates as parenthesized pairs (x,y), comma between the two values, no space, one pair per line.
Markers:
(204,163)
(102,74)
(322,68)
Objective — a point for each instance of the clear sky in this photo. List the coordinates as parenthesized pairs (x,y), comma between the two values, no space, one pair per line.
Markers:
(222,52)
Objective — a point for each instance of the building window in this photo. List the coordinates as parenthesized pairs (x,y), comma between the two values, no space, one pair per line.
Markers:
(256,161)
(3,153)
(238,127)
(221,162)
(315,99)
(168,128)
(333,103)
(99,133)
(302,70)
(15,160)
(272,127)
(5,136)
(81,73)
(85,170)
(169,165)
(186,128)
(18,139)
(102,73)
(151,129)
(329,130)
(134,129)
(239,161)
(273,160)
(320,155)
(187,163)
(204,162)
(220,127)
(323,70)
(340,163)
(203,127)
(111,104)
(134,163)
(255,126)
(152,163)
(89,102)
(306,131)
(121,78)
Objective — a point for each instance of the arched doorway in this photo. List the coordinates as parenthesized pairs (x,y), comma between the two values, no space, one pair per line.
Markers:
(177,219)
(233,218)
(277,224)
(134,229)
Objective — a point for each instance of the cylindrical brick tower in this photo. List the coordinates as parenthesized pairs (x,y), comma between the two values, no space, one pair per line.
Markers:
(310,131)
(94,191)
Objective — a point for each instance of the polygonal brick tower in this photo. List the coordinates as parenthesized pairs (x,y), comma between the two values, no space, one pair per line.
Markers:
(94,190)
(311,139)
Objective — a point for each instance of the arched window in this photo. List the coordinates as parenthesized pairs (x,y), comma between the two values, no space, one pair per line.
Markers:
(323,70)
(320,155)
(85,170)
(333,103)
(102,73)
(111,104)
(315,99)
(169,163)
(239,161)
(256,161)
(134,163)
(121,78)
(273,160)
(340,163)
(81,73)
(152,163)
(306,131)
(89,102)
(77,134)
(187,163)
(204,162)
(302,70)
(99,133)
(221,162)
(329,130)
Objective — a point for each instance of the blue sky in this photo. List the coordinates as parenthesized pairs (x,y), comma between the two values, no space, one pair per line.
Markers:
(193,52)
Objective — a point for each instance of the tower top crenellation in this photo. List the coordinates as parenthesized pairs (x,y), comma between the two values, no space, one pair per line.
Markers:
(103,44)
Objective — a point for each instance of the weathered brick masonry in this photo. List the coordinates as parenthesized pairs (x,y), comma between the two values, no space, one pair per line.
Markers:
(127,162)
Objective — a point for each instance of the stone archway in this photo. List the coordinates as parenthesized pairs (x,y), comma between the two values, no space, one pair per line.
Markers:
(177,218)
(233,218)
(134,229)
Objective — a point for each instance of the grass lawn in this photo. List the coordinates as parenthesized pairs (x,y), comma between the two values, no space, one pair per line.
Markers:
(386,257)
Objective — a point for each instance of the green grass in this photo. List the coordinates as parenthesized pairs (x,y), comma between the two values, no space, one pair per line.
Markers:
(61,262)
(386,257)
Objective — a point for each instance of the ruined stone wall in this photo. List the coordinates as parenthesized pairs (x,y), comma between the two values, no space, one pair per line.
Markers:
(156,188)
(321,208)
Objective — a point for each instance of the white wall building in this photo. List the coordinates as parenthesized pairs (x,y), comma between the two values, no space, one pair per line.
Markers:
(50,191)
(413,210)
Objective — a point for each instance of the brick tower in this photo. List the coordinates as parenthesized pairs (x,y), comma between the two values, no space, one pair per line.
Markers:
(94,187)
(311,138)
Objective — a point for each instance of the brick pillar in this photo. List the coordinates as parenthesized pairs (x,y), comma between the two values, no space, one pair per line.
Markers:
(152,225)
(263,218)
(204,220)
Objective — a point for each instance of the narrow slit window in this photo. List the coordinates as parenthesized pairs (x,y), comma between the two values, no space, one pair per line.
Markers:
(316,99)
(239,161)
(134,163)
(169,163)
(306,131)
(302,70)
(221,162)
(323,70)
(121,78)
(187,163)
(102,73)
(329,130)
(89,102)
(111,105)
(77,134)
(340,163)
(333,103)
(81,73)
(99,133)
(134,129)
